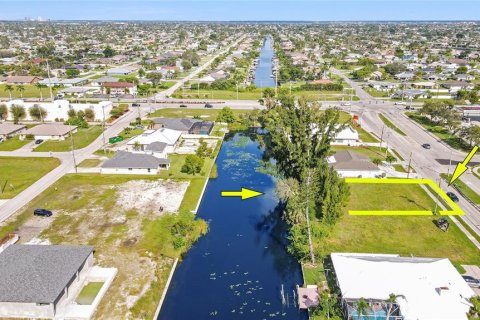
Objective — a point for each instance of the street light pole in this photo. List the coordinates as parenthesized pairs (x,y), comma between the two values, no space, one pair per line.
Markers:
(73,152)
(103,131)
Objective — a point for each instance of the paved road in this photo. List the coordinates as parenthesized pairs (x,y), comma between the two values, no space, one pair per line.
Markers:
(8,208)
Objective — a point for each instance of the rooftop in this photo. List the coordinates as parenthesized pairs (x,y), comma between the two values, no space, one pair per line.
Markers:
(127,160)
(38,273)
(51,129)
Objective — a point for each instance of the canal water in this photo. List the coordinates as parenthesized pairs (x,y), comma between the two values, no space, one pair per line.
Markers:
(237,270)
(263,73)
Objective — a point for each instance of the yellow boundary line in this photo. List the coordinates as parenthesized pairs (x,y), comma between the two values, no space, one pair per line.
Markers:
(455,212)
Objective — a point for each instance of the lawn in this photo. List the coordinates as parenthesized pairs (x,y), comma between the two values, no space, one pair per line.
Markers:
(17,173)
(218,94)
(88,293)
(82,138)
(30,92)
(205,114)
(390,124)
(439,131)
(364,135)
(400,197)
(464,188)
(12,144)
(89,163)
(405,235)
(399,168)
(129,133)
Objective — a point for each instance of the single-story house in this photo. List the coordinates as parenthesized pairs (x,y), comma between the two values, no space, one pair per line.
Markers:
(410,94)
(348,136)
(185,125)
(98,82)
(454,86)
(121,71)
(168,136)
(8,130)
(424,288)
(134,163)
(405,76)
(464,77)
(424,85)
(119,88)
(36,279)
(22,79)
(383,86)
(349,164)
(50,131)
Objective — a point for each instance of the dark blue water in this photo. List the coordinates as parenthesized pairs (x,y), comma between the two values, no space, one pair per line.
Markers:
(263,72)
(236,271)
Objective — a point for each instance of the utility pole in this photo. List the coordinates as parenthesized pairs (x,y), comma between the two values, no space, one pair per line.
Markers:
(409,165)
(381,136)
(103,132)
(49,81)
(449,164)
(73,152)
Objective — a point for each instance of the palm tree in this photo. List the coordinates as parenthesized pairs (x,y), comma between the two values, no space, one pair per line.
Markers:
(362,308)
(9,88)
(475,308)
(377,161)
(392,299)
(390,159)
(40,86)
(137,146)
(20,88)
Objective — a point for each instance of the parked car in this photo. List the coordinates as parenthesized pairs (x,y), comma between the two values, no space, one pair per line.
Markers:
(208,105)
(399,103)
(184,106)
(38,141)
(345,104)
(42,212)
(452,196)
(426,146)
(472,282)
(135,104)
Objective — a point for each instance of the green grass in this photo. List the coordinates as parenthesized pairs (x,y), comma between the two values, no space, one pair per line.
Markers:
(82,138)
(464,188)
(470,230)
(30,92)
(313,274)
(89,163)
(88,293)
(205,114)
(399,168)
(390,124)
(399,157)
(218,94)
(12,144)
(364,135)
(17,173)
(109,153)
(127,134)
(439,131)
(400,197)
(405,235)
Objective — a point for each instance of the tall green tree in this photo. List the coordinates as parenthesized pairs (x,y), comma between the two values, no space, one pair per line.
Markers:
(37,112)
(18,113)
(226,115)
(8,88)
(3,111)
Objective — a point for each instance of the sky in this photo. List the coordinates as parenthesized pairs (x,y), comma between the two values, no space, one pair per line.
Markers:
(242,10)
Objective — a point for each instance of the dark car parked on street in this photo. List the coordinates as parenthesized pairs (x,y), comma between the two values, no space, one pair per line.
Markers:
(472,282)
(38,141)
(42,212)
(208,105)
(452,196)
(183,106)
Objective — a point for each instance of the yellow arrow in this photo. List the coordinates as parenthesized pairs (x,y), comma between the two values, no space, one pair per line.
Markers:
(462,166)
(245,193)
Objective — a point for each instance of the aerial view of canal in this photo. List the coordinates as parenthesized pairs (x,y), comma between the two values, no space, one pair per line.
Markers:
(240,269)
(263,73)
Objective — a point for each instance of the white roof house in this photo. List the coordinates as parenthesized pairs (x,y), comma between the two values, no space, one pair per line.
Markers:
(348,136)
(167,136)
(425,288)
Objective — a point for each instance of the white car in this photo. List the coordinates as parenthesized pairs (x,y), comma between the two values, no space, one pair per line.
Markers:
(346,104)
(401,103)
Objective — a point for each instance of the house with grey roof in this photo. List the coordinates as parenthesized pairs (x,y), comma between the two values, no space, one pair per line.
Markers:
(135,163)
(8,130)
(49,131)
(36,279)
(185,125)
(350,164)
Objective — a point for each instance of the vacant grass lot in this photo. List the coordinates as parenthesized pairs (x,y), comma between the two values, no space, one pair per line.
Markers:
(30,92)
(82,138)
(439,131)
(89,163)
(12,144)
(17,174)
(205,114)
(218,94)
(405,235)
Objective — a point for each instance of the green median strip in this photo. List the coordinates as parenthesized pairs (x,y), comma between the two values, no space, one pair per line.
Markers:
(390,124)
